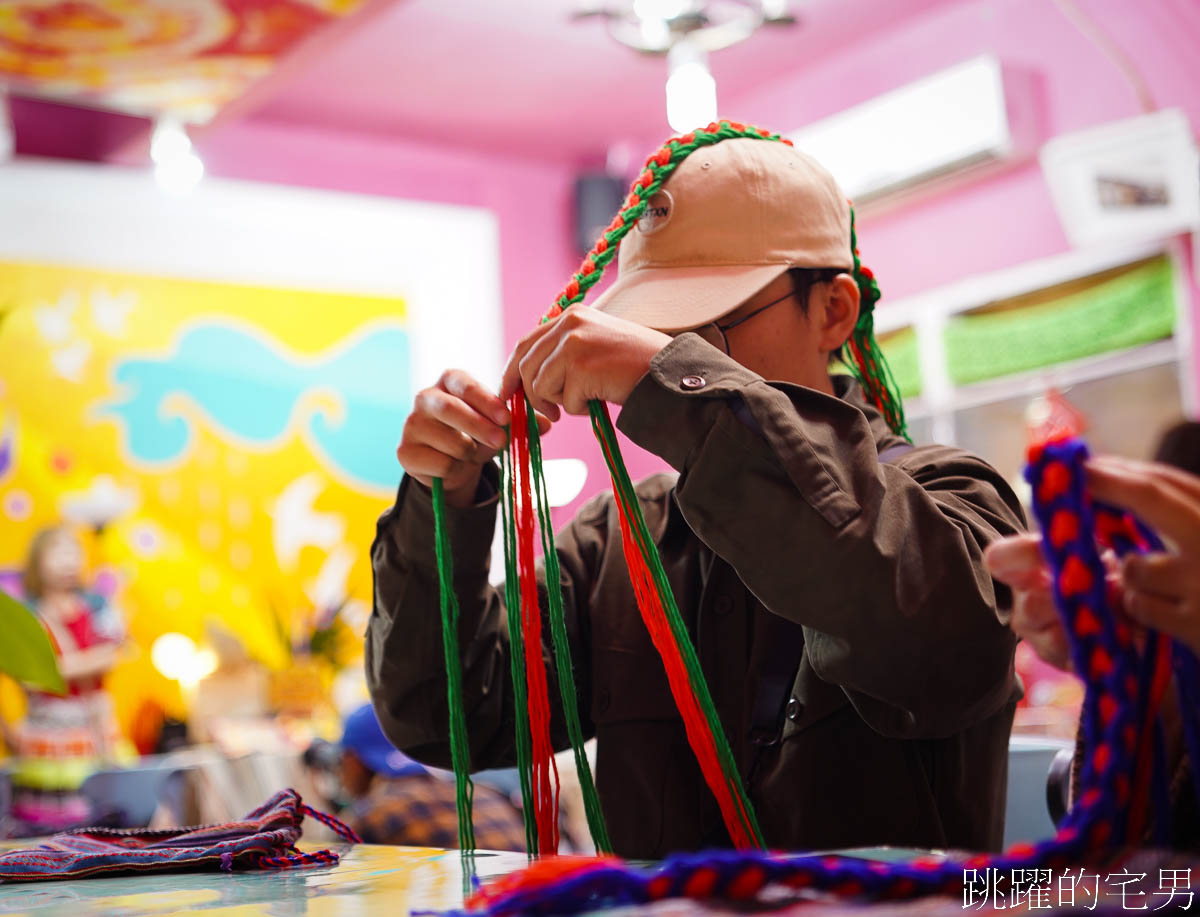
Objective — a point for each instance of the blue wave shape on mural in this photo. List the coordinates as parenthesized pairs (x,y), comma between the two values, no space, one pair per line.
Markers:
(249,388)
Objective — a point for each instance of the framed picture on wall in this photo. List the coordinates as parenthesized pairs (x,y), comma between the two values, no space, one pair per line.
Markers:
(1127,181)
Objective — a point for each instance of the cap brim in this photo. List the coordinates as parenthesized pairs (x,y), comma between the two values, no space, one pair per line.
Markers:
(672,299)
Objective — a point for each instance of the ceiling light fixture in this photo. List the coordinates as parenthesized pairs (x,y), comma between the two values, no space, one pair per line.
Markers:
(686,31)
(653,26)
(691,89)
(177,168)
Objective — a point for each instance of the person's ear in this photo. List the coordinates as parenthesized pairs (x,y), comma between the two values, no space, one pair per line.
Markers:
(840,313)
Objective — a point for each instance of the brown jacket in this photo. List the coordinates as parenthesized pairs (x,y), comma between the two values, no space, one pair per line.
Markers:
(856,651)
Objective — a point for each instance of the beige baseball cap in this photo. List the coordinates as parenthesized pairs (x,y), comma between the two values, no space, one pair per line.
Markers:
(730,219)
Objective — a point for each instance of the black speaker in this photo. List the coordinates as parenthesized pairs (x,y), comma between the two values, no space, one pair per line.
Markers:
(598,197)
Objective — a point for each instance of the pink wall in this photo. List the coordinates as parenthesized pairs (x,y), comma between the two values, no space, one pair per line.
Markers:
(996,222)
(532,199)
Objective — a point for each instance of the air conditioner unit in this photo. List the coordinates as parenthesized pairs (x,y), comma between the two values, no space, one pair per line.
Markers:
(946,125)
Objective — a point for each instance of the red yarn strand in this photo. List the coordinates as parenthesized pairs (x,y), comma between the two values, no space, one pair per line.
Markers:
(696,726)
(1145,757)
(544,774)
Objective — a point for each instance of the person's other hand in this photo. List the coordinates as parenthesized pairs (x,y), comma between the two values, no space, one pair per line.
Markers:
(1162,589)
(1017,562)
(456,425)
(580,355)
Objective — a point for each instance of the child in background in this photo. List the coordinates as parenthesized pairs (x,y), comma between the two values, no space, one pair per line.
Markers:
(64,739)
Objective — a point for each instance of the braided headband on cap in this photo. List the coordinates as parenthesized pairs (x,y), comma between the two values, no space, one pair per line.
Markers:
(867,361)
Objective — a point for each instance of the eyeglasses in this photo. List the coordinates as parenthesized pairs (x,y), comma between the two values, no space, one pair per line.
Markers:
(714,333)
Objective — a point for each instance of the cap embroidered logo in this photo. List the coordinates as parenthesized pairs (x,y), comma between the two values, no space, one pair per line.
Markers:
(657,214)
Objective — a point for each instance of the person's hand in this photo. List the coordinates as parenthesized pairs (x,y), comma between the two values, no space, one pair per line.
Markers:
(455,427)
(1162,589)
(1017,562)
(580,355)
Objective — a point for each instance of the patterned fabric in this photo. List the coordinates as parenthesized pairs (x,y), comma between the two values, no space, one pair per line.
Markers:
(419,811)
(264,839)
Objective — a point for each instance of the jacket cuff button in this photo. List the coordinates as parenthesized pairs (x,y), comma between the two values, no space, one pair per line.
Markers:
(693,382)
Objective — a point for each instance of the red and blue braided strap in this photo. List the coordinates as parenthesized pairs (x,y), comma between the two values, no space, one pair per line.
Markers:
(295,858)
(1102,650)
(1074,529)
(336,825)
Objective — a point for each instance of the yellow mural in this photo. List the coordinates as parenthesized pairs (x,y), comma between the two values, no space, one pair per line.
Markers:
(228,448)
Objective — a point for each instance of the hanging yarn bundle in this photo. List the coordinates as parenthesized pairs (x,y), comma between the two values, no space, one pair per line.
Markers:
(868,364)
(1120,718)
(524,503)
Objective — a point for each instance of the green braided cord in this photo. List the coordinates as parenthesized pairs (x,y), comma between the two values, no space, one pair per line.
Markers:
(876,377)
(460,754)
(877,381)
(616,464)
(516,651)
(562,650)
(658,168)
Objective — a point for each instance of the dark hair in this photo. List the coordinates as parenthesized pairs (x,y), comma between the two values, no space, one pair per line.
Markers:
(1180,446)
(31,577)
(805,278)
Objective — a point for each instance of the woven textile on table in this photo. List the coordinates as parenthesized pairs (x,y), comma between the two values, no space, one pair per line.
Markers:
(264,839)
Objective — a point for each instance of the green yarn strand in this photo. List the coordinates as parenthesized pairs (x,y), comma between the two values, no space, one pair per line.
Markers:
(562,650)
(460,754)
(876,376)
(602,426)
(516,651)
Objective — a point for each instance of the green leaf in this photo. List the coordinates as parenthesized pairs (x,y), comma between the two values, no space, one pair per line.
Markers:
(26,652)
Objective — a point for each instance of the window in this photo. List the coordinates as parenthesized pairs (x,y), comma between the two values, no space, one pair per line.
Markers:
(1109,332)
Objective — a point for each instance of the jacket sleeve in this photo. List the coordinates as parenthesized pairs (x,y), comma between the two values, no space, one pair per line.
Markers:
(405,661)
(880,563)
